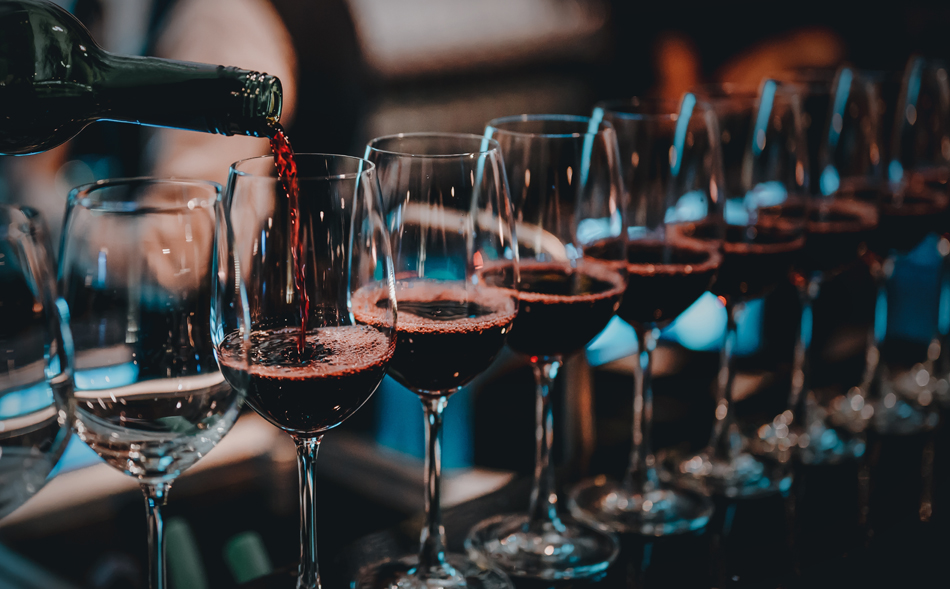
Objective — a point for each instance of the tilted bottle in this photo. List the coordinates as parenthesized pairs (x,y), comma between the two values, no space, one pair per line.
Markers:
(55,80)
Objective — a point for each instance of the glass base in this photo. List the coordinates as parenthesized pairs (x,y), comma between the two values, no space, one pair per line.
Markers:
(660,512)
(900,411)
(744,476)
(401,574)
(563,550)
(832,435)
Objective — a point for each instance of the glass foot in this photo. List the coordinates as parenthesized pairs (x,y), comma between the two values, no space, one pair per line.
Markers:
(899,413)
(402,574)
(744,476)
(660,512)
(826,436)
(562,550)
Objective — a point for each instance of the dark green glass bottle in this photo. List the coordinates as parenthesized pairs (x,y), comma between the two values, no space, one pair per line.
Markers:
(55,80)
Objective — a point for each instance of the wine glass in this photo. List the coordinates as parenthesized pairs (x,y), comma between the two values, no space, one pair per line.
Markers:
(765,163)
(920,143)
(449,215)
(135,269)
(673,178)
(920,158)
(304,361)
(846,150)
(565,177)
(36,360)
(912,203)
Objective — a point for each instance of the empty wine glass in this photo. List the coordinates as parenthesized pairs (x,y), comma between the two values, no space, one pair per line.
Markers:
(446,203)
(305,362)
(135,269)
(673,179)
(36,360)
(765,165)
(564,177)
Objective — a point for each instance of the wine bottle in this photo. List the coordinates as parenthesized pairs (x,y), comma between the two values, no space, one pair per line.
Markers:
(55,80)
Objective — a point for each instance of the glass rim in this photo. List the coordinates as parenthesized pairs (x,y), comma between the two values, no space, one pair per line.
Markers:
(719,91)
(492,144)
(526,118)
(79,196)
(610,106)
(234,168)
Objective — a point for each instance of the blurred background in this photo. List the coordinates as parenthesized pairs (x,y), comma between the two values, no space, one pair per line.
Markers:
(356,69)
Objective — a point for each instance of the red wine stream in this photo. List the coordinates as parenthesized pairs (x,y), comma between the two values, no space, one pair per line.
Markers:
(287,172)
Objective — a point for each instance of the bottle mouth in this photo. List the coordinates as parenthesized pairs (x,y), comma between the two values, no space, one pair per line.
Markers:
(275,100)
(263,97)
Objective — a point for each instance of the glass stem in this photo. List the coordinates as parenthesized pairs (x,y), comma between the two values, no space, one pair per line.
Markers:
(155,496)
(877,329)
(941,333)
(542,513)
(726,442)
(798,396)
(308,574)
(642,476)
(432,563)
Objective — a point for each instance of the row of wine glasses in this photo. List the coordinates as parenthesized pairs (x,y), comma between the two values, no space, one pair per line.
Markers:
(878,204)
(183,301)
(461,281)
(715,188)
(780,222)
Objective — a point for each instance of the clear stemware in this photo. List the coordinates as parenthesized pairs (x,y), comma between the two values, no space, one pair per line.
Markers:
(447,208)
(304,381)
(766,175)
(673,179)
(920,158)
(135,270)
(565,179)
(36,360)
(841,223)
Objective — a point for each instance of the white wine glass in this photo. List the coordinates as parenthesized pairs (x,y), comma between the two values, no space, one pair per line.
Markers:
(135,270)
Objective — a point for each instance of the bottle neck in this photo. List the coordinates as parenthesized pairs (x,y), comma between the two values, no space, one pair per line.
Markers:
(183,95)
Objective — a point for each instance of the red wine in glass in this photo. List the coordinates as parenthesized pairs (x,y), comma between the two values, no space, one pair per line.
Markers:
(446,334)
(837,233)
(314,391)
(756,258)
(287,172)
(663,279)
(561,307)
(905,216)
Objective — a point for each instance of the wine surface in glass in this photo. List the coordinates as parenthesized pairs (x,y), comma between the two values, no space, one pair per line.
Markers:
(905,217)
(316,391)
(27,451)
(153,429)
(663,279)
(561,308)
(837,234)
(30,421)
(446,334)
(756,258)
